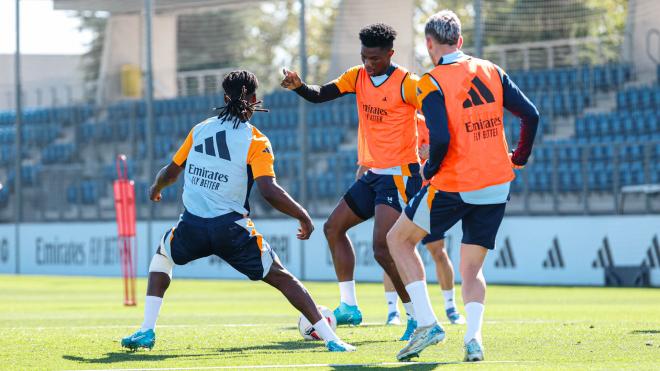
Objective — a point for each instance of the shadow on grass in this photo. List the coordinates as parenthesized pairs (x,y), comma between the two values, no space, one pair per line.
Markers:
(362,325)
(286,346)
(290,346)
(640,332)
(116,357)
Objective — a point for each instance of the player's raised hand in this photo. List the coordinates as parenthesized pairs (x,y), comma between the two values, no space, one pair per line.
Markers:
(306,228)
(154,194)
(291,80)
(514,166)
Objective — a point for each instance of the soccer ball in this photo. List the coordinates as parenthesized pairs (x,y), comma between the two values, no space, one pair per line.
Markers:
(307,330)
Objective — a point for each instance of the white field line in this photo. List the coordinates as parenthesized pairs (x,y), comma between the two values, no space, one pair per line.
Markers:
(92,327)
(302,366)
(132,326)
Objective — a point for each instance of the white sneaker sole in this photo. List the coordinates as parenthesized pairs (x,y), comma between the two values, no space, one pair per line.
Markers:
(413,353)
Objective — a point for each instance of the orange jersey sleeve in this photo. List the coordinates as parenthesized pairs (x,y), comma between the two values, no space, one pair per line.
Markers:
(422,131)
(260,155)
(348,80)
(182,154)
(410,90)
(425,86)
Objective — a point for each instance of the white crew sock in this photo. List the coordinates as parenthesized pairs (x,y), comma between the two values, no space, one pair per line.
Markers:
(324,330)
(347,292)
(474,311)
(449,298)
(151,309)
(392,300)
(410,309)
(419,296)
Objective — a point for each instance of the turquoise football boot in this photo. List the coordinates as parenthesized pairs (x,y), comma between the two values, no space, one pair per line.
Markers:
(474,352)
(348,314)
(454,317)
(393,319)
(411,326)
(140,339)
(339,346)
(422,338)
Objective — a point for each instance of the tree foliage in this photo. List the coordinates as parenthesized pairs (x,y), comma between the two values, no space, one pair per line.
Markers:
(94,22)
(263,38)
(516,21)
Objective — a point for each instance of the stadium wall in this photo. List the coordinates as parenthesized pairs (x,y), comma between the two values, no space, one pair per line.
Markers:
(535,251)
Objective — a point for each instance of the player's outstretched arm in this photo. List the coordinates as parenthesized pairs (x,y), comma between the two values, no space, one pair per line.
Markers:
(311,93)
(166,177)
(520,106)
(277,197)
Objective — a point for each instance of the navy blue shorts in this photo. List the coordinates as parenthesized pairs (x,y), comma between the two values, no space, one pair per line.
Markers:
(430,238)
(437,211)
(231,237)
(376,189)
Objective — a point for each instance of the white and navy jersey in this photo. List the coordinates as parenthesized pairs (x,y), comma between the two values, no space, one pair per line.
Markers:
(221,164)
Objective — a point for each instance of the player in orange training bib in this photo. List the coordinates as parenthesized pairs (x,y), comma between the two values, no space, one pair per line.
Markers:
(470,170)
(387,147)
(435,244)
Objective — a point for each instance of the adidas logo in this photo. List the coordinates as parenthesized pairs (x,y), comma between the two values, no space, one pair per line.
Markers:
(209,146)
(477,99)
(604,256)
(384,99)
(505,258)
(554,259)
(267,150)
(652,259)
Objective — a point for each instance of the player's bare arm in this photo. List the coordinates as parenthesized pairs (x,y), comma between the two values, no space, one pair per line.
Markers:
(277,197)
(165,177)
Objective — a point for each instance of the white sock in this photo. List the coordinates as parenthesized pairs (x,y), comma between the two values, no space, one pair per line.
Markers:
(324,330)
(449,298)
(419,296)
(392,300)
(474,312)
(410,309)
(151,309)
(347,292)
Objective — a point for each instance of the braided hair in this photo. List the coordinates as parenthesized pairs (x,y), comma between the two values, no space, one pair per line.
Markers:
(239,87)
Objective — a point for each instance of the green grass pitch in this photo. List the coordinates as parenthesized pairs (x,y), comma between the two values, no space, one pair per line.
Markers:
(69,323)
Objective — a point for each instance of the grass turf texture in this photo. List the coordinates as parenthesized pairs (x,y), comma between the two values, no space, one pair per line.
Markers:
(76,323)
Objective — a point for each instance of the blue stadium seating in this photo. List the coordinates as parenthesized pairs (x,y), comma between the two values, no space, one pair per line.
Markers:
(557,92)
(86,192)
(570,78)
(29,176)
(58,153)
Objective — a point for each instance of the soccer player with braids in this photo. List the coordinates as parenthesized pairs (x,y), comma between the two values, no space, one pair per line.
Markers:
(223,157)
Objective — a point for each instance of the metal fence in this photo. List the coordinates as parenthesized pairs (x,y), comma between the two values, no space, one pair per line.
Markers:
(74,180)
(73,131)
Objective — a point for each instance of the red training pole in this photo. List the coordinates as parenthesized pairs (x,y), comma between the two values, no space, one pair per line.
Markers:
(124,194)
